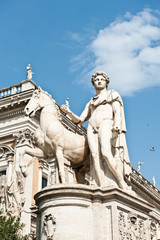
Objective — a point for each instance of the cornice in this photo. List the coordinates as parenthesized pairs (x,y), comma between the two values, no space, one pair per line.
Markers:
(141,183)
(12,113)
(9,103)
(7,132)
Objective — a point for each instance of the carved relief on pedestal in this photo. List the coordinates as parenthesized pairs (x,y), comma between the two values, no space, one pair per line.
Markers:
(142,230)
(49,223)
(122,226)
(131,227)
(153,229)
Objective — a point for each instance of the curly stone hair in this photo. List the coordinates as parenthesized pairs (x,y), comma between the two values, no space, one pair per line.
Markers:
(100,73)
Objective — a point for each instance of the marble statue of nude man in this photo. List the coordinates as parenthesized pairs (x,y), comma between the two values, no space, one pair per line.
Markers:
(106,130)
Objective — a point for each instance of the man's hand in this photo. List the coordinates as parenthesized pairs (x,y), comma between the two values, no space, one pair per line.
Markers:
(115,128)
(65,108)
(116,131)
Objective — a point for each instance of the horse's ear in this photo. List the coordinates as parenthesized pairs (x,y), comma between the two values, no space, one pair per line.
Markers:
(39,89)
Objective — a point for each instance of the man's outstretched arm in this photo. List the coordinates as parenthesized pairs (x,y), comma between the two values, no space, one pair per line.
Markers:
(80,120)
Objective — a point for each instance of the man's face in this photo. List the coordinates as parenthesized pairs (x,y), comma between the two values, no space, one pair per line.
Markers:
(100,82)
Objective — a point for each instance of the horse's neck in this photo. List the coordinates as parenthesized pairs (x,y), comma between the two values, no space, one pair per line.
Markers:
(48,108)
(48,114)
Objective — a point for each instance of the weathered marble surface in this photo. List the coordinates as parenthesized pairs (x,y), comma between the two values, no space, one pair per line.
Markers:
(91,213)
(105,134)
(52,138)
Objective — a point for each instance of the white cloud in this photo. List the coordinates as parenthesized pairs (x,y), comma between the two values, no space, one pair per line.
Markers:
(128,50)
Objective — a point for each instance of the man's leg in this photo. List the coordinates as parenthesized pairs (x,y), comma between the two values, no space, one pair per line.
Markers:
(105,138)
(95,153)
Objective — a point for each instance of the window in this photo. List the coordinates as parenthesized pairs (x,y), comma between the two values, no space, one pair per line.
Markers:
(44,182)
(2,172)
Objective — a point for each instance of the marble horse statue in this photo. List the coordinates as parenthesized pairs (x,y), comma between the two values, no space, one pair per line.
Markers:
(52,137)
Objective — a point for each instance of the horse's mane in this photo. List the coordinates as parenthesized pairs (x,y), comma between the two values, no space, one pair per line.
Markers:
(58,110)
(53,101)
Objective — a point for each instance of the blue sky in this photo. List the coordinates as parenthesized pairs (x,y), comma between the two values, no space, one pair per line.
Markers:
(66,41)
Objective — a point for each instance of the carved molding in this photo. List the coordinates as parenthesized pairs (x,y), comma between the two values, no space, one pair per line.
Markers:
(11,114)
(43,163)
(6,152)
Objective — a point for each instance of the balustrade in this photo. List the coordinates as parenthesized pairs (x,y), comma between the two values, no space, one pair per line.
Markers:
(6,92)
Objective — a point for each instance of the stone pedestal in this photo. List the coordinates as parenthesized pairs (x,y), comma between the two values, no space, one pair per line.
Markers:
(69,212)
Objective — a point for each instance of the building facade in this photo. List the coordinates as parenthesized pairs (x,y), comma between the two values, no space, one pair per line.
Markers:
(17,191)
(16,133)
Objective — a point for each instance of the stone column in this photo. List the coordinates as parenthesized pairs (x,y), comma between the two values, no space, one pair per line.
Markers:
(9,169)
(40,174)
(52,172)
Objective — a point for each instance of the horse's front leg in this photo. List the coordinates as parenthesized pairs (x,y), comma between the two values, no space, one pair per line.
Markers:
(60,161)
(32,152)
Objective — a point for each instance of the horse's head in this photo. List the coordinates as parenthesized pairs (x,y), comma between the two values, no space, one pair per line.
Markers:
(38,100)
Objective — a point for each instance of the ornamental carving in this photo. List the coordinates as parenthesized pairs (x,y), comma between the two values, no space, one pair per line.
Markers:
(12,194)
(153,229)
(6,152)
(49,223)
(24,137)
(131,228)
(122,226)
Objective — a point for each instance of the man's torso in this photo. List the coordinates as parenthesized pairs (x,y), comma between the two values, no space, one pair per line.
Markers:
(101,109)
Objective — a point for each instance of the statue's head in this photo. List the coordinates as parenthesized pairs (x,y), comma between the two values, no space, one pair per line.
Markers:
(102,74)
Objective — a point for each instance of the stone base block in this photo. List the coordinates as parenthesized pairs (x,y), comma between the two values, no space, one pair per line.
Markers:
(79,212)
